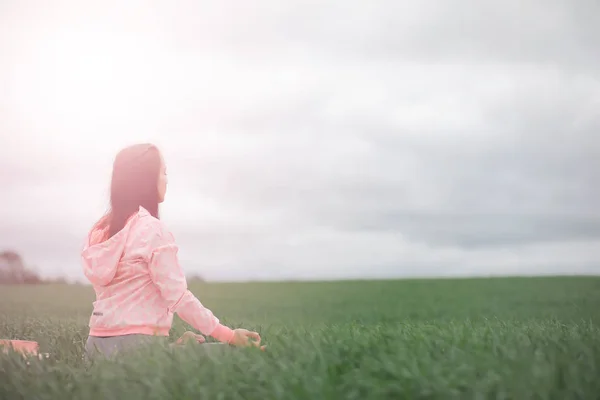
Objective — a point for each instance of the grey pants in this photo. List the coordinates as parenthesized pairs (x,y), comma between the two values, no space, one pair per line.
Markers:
(108,347)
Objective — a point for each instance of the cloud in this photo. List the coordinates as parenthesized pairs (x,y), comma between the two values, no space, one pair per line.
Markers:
(310,139)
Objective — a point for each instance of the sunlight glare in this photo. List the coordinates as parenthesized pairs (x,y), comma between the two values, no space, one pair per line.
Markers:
(88,88)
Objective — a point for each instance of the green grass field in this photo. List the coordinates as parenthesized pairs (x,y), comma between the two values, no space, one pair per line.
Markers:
(510,338)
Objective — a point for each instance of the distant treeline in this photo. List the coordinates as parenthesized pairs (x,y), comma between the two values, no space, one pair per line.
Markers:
(14,271)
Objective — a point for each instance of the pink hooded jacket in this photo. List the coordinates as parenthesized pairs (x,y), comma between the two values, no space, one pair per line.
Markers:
(139,283)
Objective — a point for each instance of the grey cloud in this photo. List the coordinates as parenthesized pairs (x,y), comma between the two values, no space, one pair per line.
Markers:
(531,181)
(480,231)
(556,32)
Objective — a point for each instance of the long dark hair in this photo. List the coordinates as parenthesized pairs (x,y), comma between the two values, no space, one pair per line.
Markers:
(134,183)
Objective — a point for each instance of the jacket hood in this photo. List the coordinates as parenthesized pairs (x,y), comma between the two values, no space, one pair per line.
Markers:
(101,257)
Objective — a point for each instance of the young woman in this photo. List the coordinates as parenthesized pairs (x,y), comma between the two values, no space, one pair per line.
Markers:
(131,260)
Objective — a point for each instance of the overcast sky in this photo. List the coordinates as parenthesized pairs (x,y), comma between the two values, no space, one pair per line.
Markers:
(311,139)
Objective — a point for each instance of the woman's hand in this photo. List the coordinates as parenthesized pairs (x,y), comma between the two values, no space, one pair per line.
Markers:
(246,338)
(241,338)
(190,337)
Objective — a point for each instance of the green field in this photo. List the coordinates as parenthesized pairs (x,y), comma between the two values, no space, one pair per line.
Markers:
(509,338)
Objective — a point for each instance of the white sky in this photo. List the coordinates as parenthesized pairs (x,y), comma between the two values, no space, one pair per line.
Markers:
(311,139)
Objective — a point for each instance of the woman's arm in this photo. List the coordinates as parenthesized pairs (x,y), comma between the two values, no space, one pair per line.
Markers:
(167,274)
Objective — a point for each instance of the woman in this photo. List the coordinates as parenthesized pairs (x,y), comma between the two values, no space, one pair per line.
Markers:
(131,260)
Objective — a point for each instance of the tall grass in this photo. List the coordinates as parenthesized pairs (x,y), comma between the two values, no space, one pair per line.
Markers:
(475,338)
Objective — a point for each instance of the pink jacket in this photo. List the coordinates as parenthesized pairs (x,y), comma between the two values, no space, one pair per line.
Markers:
(139,283)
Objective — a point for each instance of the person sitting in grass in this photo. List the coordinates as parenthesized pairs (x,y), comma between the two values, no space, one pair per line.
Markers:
(130,258)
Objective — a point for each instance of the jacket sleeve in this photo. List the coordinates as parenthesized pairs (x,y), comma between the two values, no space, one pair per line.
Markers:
(168,276)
